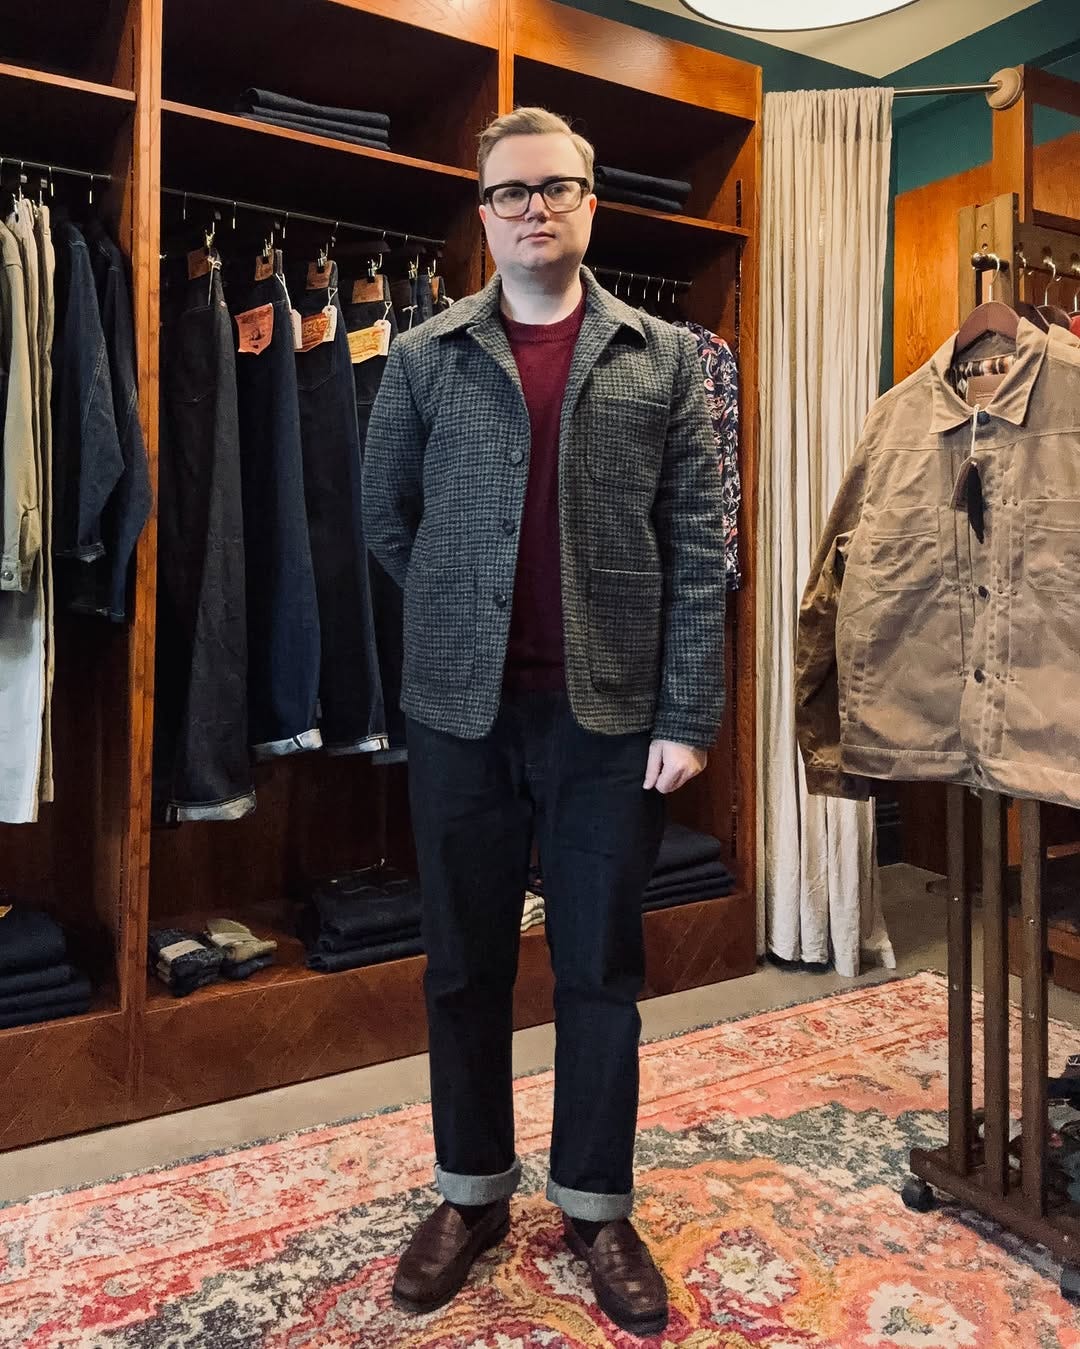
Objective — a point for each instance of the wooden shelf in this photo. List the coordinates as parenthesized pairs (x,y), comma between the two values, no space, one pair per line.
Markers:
(58,117)
(437,88)
(315,173)
(85,40)
(566,39)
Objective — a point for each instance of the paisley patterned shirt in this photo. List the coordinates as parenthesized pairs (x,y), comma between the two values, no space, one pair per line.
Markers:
(721,374)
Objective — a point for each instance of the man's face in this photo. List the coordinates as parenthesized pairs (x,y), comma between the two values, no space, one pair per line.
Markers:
(540,239)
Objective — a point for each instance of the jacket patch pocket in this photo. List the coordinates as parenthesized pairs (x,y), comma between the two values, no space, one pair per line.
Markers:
(440,625)
(625,441)
(624,630)
(904,550)
(1052,546)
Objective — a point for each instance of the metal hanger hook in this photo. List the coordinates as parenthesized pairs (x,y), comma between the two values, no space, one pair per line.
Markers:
(1048,259)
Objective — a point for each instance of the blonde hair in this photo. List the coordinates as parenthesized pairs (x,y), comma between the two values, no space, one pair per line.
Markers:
(531,122)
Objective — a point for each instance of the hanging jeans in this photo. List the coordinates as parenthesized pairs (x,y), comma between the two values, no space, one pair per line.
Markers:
(386,597)
(202,767)
(282,606)
(475,806)
(351,719)
(101,586)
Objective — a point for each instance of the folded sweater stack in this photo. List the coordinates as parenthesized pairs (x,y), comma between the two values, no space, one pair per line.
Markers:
(370,129)
(641,189)
(36,981)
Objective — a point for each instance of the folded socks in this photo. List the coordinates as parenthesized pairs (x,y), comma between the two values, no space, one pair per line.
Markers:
(182,960)
(237,942)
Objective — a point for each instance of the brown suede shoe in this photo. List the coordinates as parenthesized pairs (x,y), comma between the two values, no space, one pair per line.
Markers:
(437,1261)
(628,1286)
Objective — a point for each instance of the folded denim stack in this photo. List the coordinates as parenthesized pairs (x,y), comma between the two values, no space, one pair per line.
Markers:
(688,868)
(362,918)
(641,189)
(244,953)
(182,961)
(36,981)
(370,129)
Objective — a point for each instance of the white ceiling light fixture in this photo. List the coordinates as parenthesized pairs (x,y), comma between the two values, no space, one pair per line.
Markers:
(791,16)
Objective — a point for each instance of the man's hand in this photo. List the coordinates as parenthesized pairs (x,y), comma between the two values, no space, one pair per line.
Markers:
(672,766)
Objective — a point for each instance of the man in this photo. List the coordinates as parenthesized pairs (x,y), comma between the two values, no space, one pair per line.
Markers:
(539,477)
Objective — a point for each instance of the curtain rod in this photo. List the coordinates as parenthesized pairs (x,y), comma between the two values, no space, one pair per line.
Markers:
(932,90)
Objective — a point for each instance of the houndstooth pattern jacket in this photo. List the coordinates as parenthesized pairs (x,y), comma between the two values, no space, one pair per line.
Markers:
(642,544)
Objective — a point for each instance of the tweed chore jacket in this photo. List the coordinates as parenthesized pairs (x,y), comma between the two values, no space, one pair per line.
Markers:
(641,539)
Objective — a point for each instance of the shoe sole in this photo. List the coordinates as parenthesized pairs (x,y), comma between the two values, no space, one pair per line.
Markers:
(642,1326)
(426,1308)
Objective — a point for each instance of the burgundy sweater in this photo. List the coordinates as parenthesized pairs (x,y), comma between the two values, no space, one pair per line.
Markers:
(534,658)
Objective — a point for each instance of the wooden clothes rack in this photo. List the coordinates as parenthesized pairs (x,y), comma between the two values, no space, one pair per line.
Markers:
(997,243)
(145,91)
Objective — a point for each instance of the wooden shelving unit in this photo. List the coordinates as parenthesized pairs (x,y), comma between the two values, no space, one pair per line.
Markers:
(139,88)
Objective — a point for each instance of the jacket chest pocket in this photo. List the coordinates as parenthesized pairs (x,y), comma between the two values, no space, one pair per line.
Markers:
(1052,547)
(904,550)
(624,441)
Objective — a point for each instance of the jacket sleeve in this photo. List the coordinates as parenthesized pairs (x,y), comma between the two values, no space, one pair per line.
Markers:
(817,689)
(393,479)
(688,519)
(21,542)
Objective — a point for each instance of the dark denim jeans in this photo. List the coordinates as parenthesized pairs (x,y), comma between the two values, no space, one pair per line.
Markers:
(87,460)
(475,807)
(202,767)
(352,719)
(282,604)
(101,587)
(386,597)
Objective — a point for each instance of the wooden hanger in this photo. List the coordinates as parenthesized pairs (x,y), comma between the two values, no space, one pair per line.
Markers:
(984,319)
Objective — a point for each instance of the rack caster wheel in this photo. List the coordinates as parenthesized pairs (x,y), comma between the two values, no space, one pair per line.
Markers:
(1070,1283)
(919,1197)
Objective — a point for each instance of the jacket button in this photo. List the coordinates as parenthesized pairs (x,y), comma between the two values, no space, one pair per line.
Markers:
(500,600)
(984,594)
(984,417)
(8,575)
(980,677)
(508,527)
(516,456)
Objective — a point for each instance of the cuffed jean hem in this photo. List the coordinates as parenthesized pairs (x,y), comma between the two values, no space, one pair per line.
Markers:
(477,1189)
(593,1208)
(177,812)
(296,744)
(372,745)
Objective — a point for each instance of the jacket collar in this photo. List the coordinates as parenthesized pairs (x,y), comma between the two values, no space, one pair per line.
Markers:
(1010,402)
(481,310)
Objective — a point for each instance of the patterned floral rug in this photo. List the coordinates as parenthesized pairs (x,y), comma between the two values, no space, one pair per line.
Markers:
(770,1155)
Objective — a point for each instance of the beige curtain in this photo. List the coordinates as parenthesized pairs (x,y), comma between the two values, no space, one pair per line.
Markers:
(824,227)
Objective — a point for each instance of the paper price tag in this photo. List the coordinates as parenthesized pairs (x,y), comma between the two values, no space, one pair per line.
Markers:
(367,343)
(255,328)
(318,328)
(5,909)
(367,292)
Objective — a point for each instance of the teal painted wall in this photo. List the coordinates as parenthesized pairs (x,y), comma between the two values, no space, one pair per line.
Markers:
(932,138)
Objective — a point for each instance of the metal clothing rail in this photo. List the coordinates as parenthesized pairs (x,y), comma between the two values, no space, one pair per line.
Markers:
(644,280)
(407,236)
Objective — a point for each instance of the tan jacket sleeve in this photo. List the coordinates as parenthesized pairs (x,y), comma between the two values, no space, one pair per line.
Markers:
(817,696)
(21,541)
